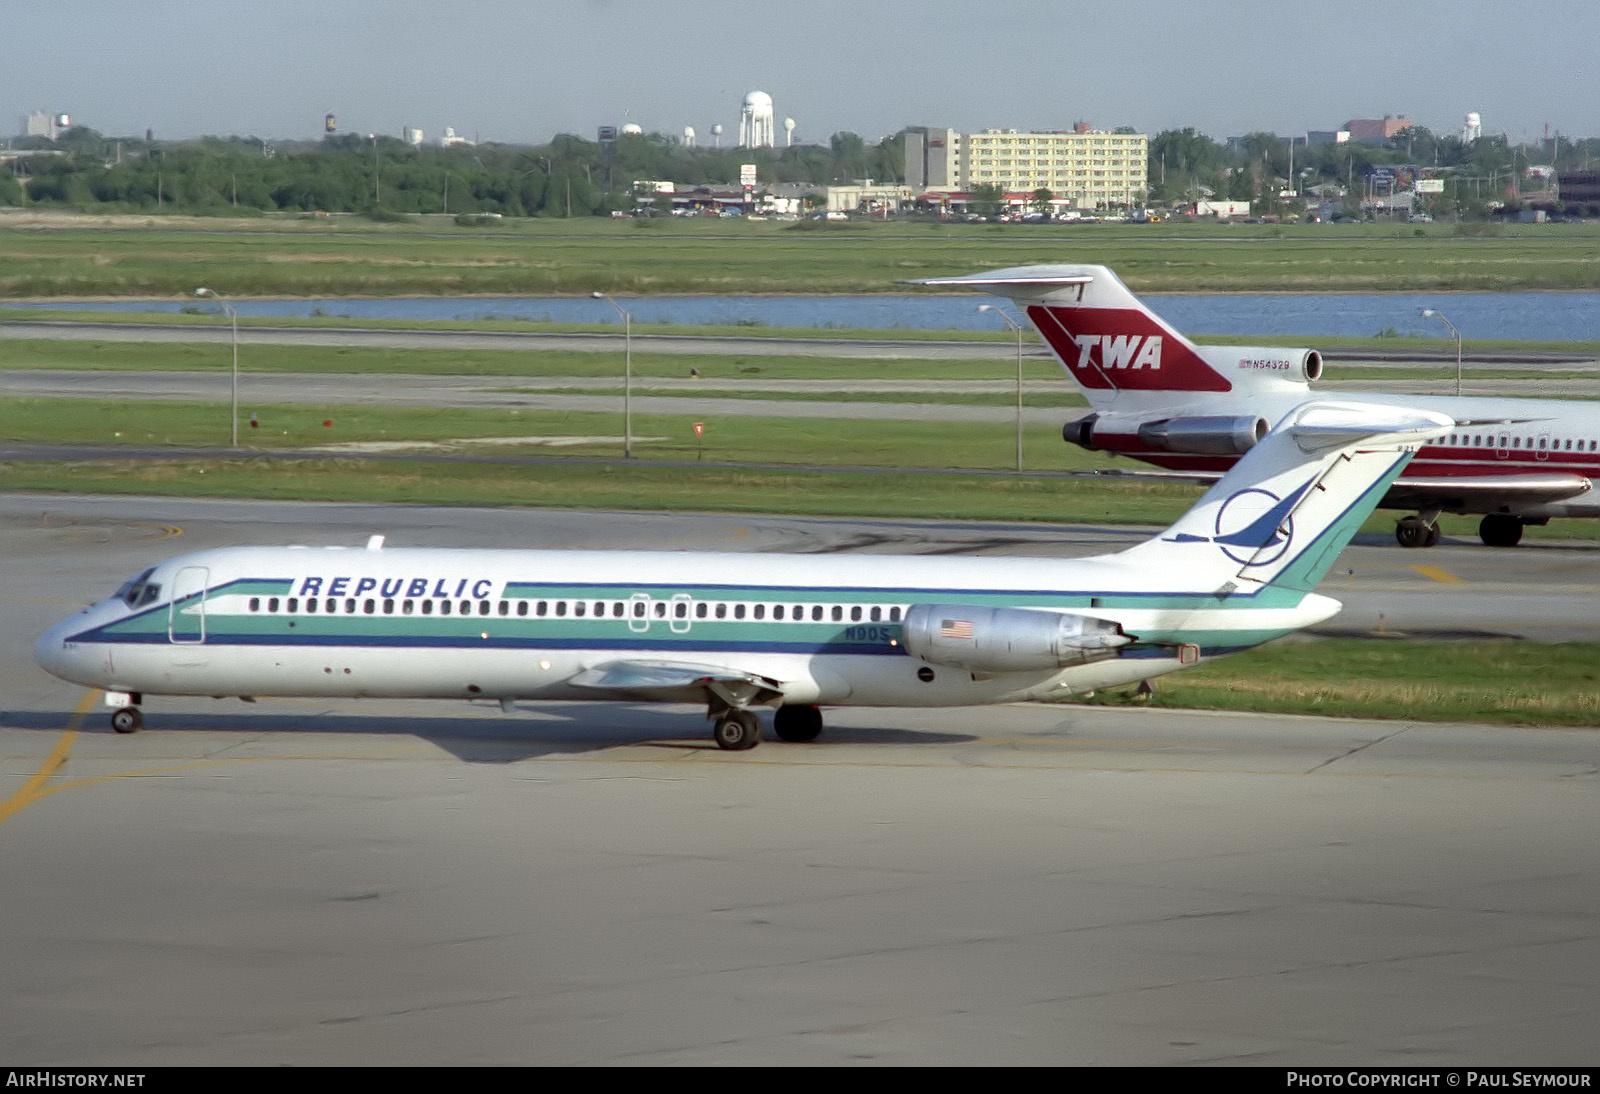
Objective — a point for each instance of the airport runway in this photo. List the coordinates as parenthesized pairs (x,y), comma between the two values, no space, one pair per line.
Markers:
(428,883)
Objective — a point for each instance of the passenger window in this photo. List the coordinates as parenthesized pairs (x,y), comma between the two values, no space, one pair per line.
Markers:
(838,613)
(388,607)
(366,606)
(877,613)
(699,611)
(561,607)
(544,607)
(522,607)
(738,611)
(407,607)
(722,611)
(661,609)
(638,609)
(579,608)
(894,615)
(444,607)
(681,610)
(816,612)
(855,614)
(616,609)
(272,604)
(427,607)
(777,611)
(255,603)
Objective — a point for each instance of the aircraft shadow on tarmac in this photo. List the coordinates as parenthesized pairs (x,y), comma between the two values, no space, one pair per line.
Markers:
(557,731)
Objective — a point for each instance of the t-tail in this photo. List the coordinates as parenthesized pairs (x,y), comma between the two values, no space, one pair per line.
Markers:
(1282,514)
(1120,352)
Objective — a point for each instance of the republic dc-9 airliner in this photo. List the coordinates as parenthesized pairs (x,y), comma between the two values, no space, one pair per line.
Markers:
(1158,397)
(738,631)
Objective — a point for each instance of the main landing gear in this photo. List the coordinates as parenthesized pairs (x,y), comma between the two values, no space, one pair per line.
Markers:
(737,729)
(1500,530)
(1418,531)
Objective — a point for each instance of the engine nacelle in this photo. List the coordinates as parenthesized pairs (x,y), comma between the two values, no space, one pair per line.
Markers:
(1250,367)
(994,640)
(1219,436)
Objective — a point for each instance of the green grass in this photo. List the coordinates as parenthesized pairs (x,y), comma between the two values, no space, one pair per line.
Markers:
(1521,683)
(636,485)
(40,353)
(580,256)
(839,442)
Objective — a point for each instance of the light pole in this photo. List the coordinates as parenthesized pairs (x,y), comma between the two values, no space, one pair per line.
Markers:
(1017,329)
(1429,313)
(373,137)
(627,374)
(233,318)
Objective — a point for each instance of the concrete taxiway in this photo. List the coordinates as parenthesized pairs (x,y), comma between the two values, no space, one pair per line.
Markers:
(301,882)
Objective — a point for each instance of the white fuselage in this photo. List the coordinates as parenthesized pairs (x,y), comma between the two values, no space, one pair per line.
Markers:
(508,624)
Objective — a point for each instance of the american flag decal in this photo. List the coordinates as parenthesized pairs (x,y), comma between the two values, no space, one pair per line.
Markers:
(955,628)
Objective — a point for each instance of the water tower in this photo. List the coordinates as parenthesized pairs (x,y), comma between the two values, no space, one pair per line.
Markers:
(688,136)
(1473,129)
(632,129)
(755,121)
(788,132)
(716,135)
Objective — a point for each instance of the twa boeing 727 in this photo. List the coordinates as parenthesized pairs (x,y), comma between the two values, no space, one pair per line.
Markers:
(1158,397)
(740,631)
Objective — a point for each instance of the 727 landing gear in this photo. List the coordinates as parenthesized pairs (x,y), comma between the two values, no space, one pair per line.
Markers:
(1417,531)
(1500,530)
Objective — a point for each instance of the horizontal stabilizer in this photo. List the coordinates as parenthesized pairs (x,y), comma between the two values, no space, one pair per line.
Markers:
(1020,276)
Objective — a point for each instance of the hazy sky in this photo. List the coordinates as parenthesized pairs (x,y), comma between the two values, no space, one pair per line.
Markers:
(524,71)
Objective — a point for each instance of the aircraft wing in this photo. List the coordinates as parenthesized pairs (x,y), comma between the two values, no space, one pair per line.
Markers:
(1472,493)
(1535,488)
(678,682)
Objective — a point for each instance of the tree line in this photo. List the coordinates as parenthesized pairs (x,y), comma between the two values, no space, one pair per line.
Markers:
(569,176)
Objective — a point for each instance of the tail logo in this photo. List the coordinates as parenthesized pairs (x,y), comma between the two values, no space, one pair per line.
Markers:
(1119,350)
(1254,527)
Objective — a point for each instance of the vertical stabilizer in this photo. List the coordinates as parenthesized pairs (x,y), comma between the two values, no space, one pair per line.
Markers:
(1288,507)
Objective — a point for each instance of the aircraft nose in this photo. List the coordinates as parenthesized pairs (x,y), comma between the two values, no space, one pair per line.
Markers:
(58,656)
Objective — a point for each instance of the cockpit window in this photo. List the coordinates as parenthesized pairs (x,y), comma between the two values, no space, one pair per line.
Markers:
(139,590)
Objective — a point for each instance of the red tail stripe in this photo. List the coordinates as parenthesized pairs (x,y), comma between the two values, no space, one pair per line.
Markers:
(1148,355)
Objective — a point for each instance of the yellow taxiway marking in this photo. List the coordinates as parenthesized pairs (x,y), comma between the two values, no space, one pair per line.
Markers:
(35,788)
(1435,574)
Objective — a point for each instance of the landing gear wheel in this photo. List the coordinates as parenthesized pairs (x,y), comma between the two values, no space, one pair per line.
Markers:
(736,731)
(1500,530)
(797,723)
(127,720)
(1416,532)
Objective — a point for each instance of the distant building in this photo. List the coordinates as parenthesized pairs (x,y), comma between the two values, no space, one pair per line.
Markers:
(1327,136)
(1092,167)
(451,139)
(1377,130)
(48,126)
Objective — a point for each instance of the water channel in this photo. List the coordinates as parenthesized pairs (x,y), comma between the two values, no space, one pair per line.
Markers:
(1526,315)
